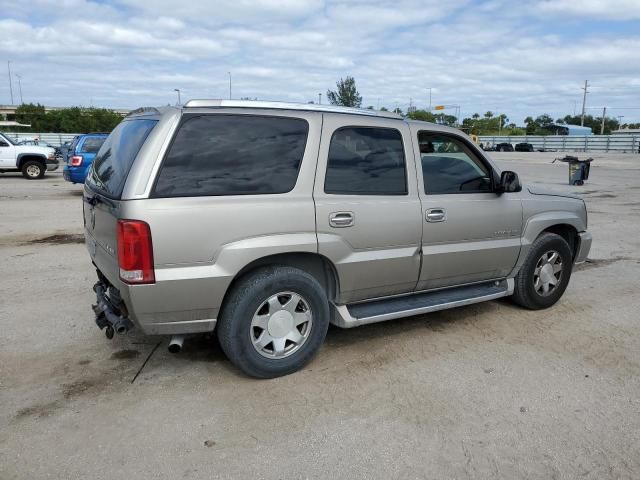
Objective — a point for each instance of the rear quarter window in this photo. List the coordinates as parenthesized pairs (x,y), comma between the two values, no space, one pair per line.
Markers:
(114,159)
(92,144)
(220,154)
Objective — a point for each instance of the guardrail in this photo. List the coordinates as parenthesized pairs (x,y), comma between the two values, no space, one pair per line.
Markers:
(55,139)
(572,143)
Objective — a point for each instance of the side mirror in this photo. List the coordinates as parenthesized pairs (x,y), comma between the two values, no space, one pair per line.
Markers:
(509,182)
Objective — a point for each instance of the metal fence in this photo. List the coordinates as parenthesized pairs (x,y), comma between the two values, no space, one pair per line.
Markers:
(55,139)
(570,143)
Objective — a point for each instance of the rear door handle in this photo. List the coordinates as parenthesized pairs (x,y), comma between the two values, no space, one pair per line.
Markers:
(341,219)
(435,215)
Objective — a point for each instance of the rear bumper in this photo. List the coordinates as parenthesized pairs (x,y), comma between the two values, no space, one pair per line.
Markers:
(74,174)
(584,246)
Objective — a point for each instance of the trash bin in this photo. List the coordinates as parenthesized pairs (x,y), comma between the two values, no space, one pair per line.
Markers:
(578,169)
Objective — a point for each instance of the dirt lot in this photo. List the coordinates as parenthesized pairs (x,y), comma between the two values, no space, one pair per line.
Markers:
(485,391)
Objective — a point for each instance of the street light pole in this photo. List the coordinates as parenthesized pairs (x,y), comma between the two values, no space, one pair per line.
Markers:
(20,87)
(429,98)
(320,99)
(584,101)
(229,85)
(177,90)
(604,114)
(10,85)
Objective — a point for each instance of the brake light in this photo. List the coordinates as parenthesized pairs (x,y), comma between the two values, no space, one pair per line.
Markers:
(135,252)
(76,161)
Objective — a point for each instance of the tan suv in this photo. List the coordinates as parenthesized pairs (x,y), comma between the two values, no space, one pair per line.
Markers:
(268,221)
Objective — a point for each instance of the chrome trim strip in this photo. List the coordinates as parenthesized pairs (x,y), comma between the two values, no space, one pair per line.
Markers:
(203,103)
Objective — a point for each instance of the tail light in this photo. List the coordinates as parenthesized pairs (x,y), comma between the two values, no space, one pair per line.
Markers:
(76,161)
(135,252)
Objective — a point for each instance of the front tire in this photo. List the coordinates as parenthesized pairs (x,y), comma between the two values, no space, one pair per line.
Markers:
(33,170)
(545,274)
(274,321)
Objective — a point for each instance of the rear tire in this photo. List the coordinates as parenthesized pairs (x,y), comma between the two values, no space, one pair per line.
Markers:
(267,305)
(33,170)
(545,274)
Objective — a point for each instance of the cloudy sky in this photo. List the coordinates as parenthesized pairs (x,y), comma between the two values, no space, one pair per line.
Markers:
(502,55)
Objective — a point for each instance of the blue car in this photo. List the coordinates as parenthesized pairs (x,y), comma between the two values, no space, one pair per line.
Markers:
(80,156)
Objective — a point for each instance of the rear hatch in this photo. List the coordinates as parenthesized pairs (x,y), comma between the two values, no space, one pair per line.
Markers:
(89,148)
(103,192)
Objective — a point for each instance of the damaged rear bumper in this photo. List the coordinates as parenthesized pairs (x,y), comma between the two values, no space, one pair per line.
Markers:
(110,316)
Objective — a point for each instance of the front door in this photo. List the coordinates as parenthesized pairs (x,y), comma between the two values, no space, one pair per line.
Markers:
(469,233)
(367,206)
(7,154)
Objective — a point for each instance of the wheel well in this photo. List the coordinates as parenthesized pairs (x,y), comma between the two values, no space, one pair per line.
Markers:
(25,158)
(569,233)
(318,266)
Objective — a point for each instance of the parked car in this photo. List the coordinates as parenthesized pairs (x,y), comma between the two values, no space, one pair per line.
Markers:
(33,161)
(504,147)
(524,147)
(80,155)
(268,221)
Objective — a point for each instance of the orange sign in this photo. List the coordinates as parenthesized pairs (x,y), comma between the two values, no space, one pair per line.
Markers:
(439,107)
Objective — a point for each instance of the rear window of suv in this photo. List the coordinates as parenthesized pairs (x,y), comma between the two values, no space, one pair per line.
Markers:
(92,144)
(114,159)
(220,154)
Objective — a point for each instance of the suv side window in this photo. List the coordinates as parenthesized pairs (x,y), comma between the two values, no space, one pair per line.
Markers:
(450,166)
(366,161)
(233,155)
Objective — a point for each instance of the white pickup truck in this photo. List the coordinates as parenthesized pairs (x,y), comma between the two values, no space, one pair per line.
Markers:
(31,160)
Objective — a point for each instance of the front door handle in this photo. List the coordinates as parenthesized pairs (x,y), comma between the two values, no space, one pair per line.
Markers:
(341,219)
(435,215)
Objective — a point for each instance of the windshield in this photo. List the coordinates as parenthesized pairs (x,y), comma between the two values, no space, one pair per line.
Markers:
(4,137)
(114,159)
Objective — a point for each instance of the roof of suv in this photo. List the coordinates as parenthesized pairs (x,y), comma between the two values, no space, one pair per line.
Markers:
(309,107)
(312,107)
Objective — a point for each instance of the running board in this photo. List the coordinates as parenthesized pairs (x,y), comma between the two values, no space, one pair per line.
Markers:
(354,315)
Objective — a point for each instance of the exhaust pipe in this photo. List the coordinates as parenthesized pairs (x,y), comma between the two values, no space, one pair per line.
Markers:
(175,344)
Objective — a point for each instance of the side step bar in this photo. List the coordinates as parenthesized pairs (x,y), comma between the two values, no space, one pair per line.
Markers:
(354,315)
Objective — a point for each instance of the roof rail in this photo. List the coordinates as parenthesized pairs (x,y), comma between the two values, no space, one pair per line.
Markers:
(311,107)
(144,110)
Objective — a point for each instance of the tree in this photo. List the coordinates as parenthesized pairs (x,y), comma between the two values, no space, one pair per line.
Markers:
(346,95)
(422,115)
(67,120)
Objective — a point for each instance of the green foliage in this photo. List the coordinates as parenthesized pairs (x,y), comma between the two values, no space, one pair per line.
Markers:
(67,120)
(346,95)
(422,115)
(490,124)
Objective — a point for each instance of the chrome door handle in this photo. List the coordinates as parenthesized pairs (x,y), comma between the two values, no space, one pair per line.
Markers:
(341,219)
(435,215)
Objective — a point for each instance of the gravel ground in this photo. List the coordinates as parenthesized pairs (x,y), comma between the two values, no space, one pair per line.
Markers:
(485,391)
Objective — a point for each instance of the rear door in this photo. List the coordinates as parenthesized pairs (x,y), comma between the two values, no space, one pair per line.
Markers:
(367,205)
(470,233)
(103,191)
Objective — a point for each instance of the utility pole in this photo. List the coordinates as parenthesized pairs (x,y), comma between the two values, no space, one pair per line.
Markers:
(584,101)
(10,85)
(178,90)
(20,87)
(229,85)
(620,117)
(429,98)
(320,99)
(604,114)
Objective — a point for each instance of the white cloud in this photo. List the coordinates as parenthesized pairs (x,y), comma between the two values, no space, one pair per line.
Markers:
(596,9)
(496,55)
